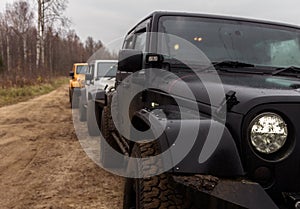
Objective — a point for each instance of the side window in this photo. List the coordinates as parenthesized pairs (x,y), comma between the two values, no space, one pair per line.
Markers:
(140,41)
(138,37)
(128,44)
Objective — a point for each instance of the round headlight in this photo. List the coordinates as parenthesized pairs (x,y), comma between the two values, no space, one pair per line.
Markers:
(268,133)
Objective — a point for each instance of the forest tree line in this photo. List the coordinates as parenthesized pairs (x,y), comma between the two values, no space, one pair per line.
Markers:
(36,42)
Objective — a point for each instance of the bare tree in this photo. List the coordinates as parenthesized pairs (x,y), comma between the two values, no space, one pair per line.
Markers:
(2,36)
(90,46)
(22,45)
(5,37)
(49,13)
(96,50)
(19,18)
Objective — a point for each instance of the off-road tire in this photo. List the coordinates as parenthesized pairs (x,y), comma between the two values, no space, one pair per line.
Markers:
(157,192)
(82,110)
(92,116)
(70,96)
(129,197)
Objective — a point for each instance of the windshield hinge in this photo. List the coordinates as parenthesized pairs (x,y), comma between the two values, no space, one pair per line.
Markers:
(228,102)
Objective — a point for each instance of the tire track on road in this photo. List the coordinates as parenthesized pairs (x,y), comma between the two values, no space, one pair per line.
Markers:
(42,164)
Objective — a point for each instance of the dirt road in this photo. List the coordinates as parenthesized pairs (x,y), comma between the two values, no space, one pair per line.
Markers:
(42,164)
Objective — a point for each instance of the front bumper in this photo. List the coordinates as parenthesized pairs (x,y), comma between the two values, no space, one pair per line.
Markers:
(76,92)
(211,192)
(76,84)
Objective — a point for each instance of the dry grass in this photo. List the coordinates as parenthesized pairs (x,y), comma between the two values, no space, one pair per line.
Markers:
(14,95)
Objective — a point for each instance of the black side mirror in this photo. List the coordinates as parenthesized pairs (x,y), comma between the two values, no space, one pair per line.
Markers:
(71,73)
(130,60)
(88,77)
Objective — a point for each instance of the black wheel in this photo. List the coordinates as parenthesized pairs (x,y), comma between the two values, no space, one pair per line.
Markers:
(157,192)
(92,119)
(82,110)
(107,157)
(70,96)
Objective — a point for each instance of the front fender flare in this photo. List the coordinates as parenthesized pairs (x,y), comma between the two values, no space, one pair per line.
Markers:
(224,160)
(96,94)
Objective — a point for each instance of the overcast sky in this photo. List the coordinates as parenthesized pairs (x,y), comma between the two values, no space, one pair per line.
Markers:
(107,20)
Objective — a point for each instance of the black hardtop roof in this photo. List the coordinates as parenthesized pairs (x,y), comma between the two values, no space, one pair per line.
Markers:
(157,14)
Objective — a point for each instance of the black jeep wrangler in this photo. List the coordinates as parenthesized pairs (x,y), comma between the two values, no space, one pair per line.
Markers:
(205,113)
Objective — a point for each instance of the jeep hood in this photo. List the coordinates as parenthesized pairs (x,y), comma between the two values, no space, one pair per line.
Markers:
(105,81)
(80,76)
(251,89)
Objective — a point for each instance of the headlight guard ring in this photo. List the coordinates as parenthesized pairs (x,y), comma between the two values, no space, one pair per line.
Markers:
(281,153)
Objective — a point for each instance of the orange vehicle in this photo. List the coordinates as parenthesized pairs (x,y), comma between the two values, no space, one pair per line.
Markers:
(77,82)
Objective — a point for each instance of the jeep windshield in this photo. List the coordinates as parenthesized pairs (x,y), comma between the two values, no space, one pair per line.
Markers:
(265,46)
(107,69)
(81,69)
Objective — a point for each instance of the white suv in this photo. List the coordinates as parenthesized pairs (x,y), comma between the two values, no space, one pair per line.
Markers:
(101,77)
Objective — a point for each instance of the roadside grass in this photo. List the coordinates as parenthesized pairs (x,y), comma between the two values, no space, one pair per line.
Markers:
(14,95)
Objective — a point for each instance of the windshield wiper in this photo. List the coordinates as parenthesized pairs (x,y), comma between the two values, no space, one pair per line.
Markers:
(235,67)
(286,70)
(231,64)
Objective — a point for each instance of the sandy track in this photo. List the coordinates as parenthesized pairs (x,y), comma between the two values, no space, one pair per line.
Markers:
(42,164)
